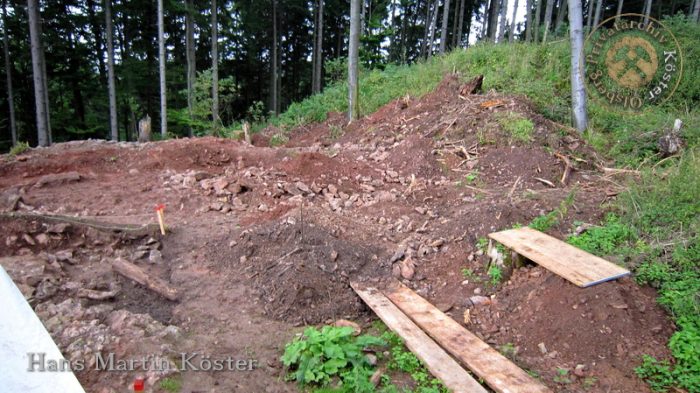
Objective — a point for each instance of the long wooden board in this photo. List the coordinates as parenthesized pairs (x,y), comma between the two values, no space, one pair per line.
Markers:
(498,372)
(565,260)
(438,362)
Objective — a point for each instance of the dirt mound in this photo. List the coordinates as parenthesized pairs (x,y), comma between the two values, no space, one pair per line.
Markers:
(548,324)
(301,269)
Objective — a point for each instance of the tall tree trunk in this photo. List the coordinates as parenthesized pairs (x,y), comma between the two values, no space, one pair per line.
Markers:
(561,13)
(598,10)
(493,19)
(110,73)
(314,51)
(426,30)
(589,19)
(38,72)
(578,91)
(547,19)
(443,30)
(161,71)
(363,17)
(513,25)
(619,8)
(696,11)
(433,27)
(191,60)
(215,66)
(528,20)
(503,20)
(538,14)
(647,11)
(318,65)
(455,19)
(8,73)
(353,60)
(274,82)
(97,32)
(460,26)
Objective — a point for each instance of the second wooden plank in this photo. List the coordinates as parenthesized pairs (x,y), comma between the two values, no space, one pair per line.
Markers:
(499,373)
(438,362)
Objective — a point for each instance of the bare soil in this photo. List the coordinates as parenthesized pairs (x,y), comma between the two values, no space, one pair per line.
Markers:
(263,241)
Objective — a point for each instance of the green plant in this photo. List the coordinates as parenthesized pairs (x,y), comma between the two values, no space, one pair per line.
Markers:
(605,239)
(562,376)
(496,274)
(171,385)
(278,139)
(482,244)
(471,177)
(319,355)
(336,131)
(547,221)
(589,383)
(656,373)
(508,350)
(519,128)
(19,148)
(405,361)
(469,274)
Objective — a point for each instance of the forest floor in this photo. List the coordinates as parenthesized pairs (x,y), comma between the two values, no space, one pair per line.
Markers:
(264,240)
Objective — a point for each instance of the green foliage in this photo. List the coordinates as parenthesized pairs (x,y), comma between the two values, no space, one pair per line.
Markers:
(318,356)
(482,244)
(278,139)
(495,274)
(19,148)
(562,376)
(171,385)
(547,221)
(469,273)
(605,239)
(405,361)
(656,373)
(519,128)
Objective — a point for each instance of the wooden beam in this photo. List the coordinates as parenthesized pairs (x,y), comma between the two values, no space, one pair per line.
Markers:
(565,260)
(499,373)
(135,273)
(438,362)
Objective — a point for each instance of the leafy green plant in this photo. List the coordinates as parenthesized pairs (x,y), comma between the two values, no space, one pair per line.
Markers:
(319,355)
(508,350)
(656,373)
(547,221)
(482,244)
(171,385)
(496,274)
(469,274)
(19,148)
(562,376)
(405,361)
(605,239)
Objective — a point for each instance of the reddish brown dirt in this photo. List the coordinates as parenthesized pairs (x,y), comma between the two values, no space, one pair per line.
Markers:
(264,240)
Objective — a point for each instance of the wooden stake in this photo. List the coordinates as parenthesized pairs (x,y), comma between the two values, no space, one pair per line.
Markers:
(161,219)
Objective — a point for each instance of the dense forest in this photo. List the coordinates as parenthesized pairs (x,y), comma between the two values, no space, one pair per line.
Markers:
(268,54)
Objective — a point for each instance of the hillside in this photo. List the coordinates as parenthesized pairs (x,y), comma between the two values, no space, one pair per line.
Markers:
(264,239)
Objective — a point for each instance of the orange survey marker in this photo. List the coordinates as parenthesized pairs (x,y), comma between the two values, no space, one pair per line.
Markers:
(161,221)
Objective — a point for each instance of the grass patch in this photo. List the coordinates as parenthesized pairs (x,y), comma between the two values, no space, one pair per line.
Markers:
(172,385)
(518,128)
(19,148)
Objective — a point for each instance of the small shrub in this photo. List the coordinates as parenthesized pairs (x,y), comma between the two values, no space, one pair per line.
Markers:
(171,385)
(318,356)
(519,128)
(19,148)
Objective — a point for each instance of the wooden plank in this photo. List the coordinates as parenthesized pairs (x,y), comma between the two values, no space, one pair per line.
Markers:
(565,260)
(135,273)
(436,360)
(499,373)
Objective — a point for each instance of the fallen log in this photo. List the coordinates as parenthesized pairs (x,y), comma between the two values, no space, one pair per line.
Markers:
(131,229)
(96,295)
(135,273)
